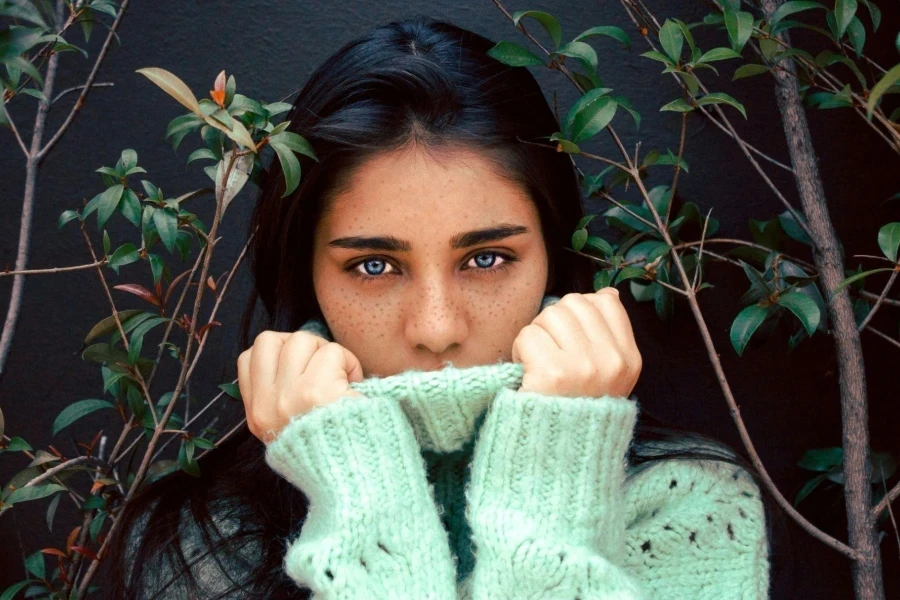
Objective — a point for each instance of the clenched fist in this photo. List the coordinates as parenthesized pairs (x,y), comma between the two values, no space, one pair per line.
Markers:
(287,374)
(581,346)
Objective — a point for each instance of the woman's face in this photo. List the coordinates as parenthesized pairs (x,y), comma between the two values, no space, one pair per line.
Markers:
(424,261)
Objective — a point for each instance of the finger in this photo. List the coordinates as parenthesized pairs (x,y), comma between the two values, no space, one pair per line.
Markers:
(533,344)
(592,320)
(332,362)
(243,367)
(293,361)
(616,318)
(264,359)
(565,328)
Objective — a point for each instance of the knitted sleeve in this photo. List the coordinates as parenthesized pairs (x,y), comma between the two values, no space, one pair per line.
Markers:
(553,514)
(545,499)
(372,529)
(697,529)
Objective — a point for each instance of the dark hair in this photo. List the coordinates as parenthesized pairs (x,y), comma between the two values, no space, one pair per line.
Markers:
(415,81)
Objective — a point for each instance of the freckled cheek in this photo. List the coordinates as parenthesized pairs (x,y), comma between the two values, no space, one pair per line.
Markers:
(354,315)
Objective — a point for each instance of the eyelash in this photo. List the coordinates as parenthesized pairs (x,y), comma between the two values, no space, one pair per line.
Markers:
(507,260)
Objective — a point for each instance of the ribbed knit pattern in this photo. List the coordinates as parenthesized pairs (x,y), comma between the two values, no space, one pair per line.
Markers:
(478,491)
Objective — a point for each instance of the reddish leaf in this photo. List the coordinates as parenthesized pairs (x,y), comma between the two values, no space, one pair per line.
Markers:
(84,550)
(211,283)
(54,552)
(199,335)
(140,291)
(72,537)
(173,284)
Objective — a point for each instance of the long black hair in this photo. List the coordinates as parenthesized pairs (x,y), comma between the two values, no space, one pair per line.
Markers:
(418,81)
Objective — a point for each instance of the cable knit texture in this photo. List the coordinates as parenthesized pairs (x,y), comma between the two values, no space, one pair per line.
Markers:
(452,484)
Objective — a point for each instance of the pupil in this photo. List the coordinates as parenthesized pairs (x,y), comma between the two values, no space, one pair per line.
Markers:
(369,262)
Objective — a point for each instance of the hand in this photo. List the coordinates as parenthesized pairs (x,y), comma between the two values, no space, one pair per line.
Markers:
(286,374)
(581,346)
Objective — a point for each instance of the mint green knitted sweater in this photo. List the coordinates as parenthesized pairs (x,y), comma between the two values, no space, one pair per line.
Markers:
(451,484)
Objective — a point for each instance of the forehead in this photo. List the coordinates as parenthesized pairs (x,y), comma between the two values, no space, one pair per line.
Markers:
(427,195)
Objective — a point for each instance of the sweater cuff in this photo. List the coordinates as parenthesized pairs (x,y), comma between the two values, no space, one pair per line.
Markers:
(560,461)
(355,455)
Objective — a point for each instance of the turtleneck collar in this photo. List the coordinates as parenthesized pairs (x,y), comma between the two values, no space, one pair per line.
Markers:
(442,406)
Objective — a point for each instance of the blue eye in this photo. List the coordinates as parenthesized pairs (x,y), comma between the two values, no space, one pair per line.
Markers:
(373,268)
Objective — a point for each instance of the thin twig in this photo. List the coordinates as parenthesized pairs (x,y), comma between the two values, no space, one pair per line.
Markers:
(53,270)
(78,87)
(87,85)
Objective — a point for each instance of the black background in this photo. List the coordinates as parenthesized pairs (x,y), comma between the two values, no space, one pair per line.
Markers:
(789,401)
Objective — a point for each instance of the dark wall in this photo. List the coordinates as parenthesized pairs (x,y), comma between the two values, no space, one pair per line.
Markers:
(789,401)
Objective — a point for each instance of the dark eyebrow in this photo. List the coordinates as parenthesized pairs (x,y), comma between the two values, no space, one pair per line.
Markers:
(389,243)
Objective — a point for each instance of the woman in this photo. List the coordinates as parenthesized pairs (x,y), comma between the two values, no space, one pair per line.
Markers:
(438,404)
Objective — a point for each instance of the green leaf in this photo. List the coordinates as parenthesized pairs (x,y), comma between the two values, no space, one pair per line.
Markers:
(803,307)
(186,459)
(67,216)
(156,267)
(276,108)
(34,564)
(35,492)
(678,105)
(822,459)
(590,114)
(844,10)
(17,444)
(514,55)
(578,239)
(173,86)
(792,228)
(854,278)
(128,159)
(718,54)
(546,19)
(874,12)
(51,511)
(879,89)
(808,487)
(746,324)
(608,30)
(124,255)
(204,443)
(108,203)
(131,207)
(789,8)
(739,26)
(108,325)
(232,389)
(11,592)
(137,338)
(290,166)
(889,240)
(295,142)
(181,126)
(201,153)
(856,33)
(584,53)
(721,98)
(166,222)
(630,273)
(672,39)
(97,524)
(760,285)
(77,410)
(653,54)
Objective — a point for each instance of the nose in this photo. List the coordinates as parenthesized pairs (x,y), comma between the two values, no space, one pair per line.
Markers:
(436,318)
